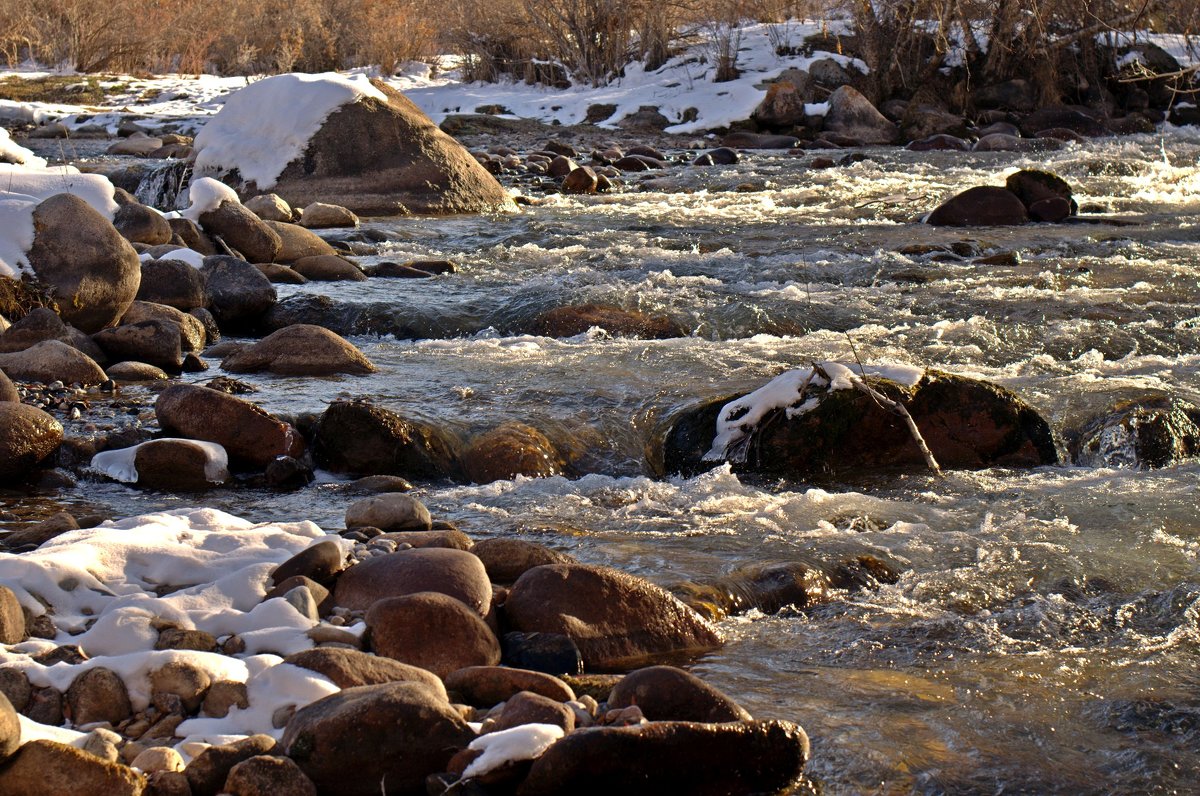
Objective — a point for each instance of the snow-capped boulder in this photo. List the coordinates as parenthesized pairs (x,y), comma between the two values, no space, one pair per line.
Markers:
(349,141)
(801,427)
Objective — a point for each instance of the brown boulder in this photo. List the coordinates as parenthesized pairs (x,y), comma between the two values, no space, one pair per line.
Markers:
(508,451)
(357,437)
(783,106)
(320,215)
(10,728)
(140,224)
(572,320)
(298,242)
(47,767)
(391,511)
(52,361)
(246,431)
(508,559)
(269,207)
(349,668)
(173,283)
(8,390)
(12,619)
(128,371)
(92,271)
(27,436)
(616,619)
(321,562)
(155,342)
(733,759)
(268,776)
(981,206)
(664,693)
(42,324)
(177,465)
(485,686)
(98,695)
(1047,196)
(455,573)
(238,293)
(191,330)
(207,772)
(300,350)
(328,268)
(527,707)
(243,231)
(432,631)
(389,736)
(581,180)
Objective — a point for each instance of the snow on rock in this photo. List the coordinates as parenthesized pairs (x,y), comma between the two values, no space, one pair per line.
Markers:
(102,587)
(267,125)
(16,232)
(206,194)
(42,183)
(119,464)
(12,152)
(738,418)
(526,742)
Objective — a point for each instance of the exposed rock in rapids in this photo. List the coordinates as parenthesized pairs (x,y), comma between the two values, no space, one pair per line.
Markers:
(357,437)
(1149,432)
(966,423)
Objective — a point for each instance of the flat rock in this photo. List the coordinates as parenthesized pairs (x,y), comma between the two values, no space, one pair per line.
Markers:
(52,360)
(485,686)
(349,668)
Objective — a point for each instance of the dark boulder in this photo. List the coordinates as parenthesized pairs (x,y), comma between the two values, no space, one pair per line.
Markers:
(510,450)
(1149,432)
(243,231)
(981,206)
(238,293)
(665,693)
(27,437)
(1046,196)
(173,283)
(357,437)
(851,114)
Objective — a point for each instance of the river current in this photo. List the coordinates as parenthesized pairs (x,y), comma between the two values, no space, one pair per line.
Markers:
(1045,633)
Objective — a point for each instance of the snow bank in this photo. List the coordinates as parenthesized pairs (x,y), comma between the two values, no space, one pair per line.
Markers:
(103,585)
(267,125)
(739,418)
(15,153)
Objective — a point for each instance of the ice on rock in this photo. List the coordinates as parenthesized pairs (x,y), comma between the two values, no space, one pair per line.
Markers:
(526,742)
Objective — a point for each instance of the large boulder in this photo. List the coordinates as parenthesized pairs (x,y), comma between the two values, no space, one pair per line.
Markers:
(357,437)
(27,436)
(375,738)
(98,695)
(10,727)
(207,772)
(52,360)
(243,231)
(140,224)
(730,759)
(266,775)
(173,283)
(617,620)
(507,559)
(156,342)
(391,511)
(300,350)
(92,271)
(246,431)
(783,106)
(1155,431)
(1046,196)
(297,242)
(981,206)
(454,573)
(432,631)
(191,329)
(852,115)
(967,424)
(375,154)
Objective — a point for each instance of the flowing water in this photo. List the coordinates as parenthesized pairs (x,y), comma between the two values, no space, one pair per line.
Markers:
(1045,634)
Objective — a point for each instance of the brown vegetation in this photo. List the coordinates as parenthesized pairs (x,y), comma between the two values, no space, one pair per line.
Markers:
(905,42)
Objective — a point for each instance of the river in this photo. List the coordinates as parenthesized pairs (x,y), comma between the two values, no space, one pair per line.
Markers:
(1045,633)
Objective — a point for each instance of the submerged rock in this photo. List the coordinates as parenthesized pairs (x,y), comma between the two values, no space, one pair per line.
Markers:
(577,319)
(967,424)
(510,450)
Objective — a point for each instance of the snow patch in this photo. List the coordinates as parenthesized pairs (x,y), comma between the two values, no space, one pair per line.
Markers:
(526,742)
(267,125)
(15,153)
